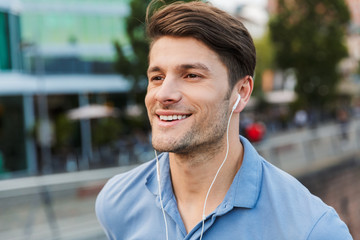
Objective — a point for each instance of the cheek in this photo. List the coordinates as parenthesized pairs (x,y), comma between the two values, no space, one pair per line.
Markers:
(149,97)
(213,111)
(208,100)
(149,102)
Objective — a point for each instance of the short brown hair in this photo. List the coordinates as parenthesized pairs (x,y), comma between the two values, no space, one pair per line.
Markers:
(221,32)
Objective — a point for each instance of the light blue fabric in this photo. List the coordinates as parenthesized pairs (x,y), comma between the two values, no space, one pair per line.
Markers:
(263,203)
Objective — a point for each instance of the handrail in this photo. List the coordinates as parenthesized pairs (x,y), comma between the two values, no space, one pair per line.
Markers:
(297,152)
(57,182)
(310,150)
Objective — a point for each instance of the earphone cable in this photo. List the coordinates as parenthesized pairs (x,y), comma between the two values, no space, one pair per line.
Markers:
(160,196)
(217,173)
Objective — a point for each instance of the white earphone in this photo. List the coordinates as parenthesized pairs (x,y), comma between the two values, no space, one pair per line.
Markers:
(160,196)
(222,164)
(237,102)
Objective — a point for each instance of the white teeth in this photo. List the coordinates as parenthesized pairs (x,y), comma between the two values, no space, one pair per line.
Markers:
(172,117)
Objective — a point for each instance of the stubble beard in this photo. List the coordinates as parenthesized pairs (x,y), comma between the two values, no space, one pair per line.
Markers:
(199,138)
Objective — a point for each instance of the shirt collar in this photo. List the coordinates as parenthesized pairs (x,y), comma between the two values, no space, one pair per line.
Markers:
(166,186)
(243,192)
(245,189)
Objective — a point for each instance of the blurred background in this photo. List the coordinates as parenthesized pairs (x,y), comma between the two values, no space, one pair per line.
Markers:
(72,114)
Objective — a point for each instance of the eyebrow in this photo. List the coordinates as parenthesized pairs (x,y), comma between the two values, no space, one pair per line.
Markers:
(182,67)
(153,69)
(194,66)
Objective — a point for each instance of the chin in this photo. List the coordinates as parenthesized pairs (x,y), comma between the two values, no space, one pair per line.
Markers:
(167,146)
(163,147)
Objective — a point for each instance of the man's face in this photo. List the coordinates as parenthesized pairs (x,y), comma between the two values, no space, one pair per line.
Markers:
(187,96)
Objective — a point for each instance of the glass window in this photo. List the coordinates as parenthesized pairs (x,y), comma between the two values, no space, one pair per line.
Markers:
(12,144)
(5,61)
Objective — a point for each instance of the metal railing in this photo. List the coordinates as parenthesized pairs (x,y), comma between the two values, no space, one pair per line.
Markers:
(309,150)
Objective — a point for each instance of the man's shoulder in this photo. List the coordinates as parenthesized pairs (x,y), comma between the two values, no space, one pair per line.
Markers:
(329,226)
(121,193)
(287,189)
(130,179)
(294,204)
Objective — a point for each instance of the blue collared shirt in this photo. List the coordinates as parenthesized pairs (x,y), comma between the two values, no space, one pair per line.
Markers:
(262,203)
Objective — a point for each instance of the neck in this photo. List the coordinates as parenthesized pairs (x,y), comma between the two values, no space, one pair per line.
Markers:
(192,174)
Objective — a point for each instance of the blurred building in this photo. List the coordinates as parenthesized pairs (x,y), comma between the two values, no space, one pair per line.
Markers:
(354,7)
(253,14)
(55,56)
(254,17)
(354,29)
(11,140)
(350,66)
(72,36)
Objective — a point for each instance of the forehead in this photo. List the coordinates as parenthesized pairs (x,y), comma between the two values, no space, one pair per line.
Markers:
(180,50)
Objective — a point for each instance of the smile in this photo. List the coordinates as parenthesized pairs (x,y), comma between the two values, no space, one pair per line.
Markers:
(172,117)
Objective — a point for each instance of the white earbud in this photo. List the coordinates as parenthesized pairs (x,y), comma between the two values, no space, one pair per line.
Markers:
(237,102)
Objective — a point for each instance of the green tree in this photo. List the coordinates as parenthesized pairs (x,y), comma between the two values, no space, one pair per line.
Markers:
(308,36)
(106,131)
(264,61)
(133,62)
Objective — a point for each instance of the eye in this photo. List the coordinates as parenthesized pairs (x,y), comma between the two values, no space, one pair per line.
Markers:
(191,75)
(157,78)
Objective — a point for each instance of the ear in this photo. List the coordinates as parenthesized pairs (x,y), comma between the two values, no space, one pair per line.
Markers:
(244,87)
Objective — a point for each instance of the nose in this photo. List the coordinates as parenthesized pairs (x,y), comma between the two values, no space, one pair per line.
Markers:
(168,92)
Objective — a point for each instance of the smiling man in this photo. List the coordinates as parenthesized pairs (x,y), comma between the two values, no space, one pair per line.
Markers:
(209,182)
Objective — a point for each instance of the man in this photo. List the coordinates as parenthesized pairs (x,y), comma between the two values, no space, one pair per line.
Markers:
(211,183)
